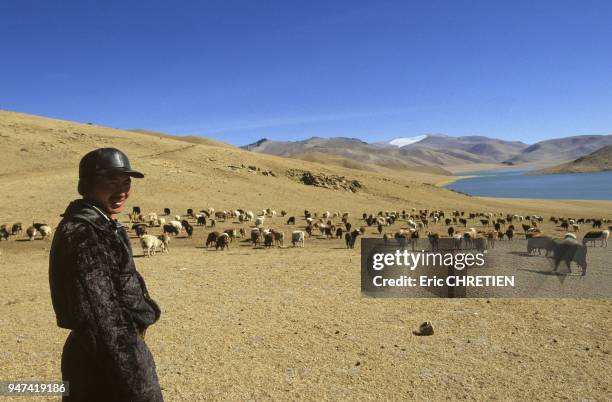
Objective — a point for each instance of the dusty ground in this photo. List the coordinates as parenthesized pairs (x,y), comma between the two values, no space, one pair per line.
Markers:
(286,323)
(291,324)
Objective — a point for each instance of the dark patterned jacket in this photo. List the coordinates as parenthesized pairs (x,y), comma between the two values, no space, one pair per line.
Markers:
(96,290)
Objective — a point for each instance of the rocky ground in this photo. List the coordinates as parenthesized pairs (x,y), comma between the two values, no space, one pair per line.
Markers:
(289,323)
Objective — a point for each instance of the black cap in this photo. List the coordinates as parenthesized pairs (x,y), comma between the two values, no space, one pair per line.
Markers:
(106,162)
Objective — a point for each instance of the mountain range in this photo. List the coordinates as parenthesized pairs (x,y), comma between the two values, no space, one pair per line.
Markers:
(432,151)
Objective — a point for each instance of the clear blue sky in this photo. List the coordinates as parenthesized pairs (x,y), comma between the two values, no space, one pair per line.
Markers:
(242,70)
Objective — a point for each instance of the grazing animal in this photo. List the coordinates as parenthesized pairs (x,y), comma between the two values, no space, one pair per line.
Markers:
(201,220)
(268,239)
(434,240)
(171,229)
(569,250)
(45,231)
(212,238)
(222,242)
(539,243)
(255,236)
(595,235)
(150,244)
(450,231)
(167,211)
(291,220)
(140,229)
(279,237)
(4,234)
(510,233)
(297,238)
(339,233)
(350,238)
(402,237)
(16,229)
(31,232)
(480,243)
(189,230)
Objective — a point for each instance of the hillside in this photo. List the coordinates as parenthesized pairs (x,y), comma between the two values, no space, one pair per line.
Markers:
(560,150)
(598,161)
(38,176)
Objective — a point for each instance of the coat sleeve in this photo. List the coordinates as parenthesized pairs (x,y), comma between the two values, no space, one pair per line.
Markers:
(123,352)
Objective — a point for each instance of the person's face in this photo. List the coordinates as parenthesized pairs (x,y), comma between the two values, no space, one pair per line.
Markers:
(111,192)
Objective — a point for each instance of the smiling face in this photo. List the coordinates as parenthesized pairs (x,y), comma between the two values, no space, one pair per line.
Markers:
(109,193)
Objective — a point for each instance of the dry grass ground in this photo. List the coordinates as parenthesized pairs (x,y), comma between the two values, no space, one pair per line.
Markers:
(288,323)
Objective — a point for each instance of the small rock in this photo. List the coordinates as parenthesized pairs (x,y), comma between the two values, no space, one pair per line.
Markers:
(425,329)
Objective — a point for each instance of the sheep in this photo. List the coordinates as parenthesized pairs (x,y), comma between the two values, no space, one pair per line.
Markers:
(212,238)
(167,211)
(16,228)
(291,220)
(165,239)
(595,235)
(232,233)
(4,234)
(170,229)
(222,241)
(268,239)
(201,220)
(259,221)
(434,240)
(150,244)
(37,226)
(480,243)
(350,238)
(339,233)
(31,232)
(539,242)
(45,231)
(176,224)
(569,250)
(297,238)
(279,237)
(140,229)
(255,236)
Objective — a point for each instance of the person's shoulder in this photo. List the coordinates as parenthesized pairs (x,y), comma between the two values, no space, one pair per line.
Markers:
(76,229)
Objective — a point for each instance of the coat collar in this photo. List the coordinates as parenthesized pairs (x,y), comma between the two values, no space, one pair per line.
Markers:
(85,211)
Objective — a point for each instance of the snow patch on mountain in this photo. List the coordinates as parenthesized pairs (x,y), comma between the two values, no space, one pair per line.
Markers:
(403,141)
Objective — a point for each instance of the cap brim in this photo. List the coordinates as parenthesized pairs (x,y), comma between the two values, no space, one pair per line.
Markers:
(130,172)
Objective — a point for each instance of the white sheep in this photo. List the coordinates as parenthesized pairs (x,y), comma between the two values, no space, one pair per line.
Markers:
(150,244)
(297,237)
(259,221)
(178,225)
(45,230)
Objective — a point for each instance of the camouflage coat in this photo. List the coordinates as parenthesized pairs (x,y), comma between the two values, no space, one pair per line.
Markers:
(97,292)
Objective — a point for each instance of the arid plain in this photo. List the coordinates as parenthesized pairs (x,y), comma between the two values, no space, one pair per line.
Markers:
(285,323)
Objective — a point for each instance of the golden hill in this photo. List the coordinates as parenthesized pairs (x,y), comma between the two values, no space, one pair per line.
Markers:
(598,161)
(38,176)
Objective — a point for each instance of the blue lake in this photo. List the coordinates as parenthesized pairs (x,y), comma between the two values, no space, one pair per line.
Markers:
(514,183)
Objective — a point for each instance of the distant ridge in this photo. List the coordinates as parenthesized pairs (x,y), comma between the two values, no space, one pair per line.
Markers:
(598,161)
(561,149)
(423,152)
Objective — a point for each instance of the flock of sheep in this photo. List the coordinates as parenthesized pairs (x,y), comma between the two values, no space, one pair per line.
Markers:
(337,225)
(37,229)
